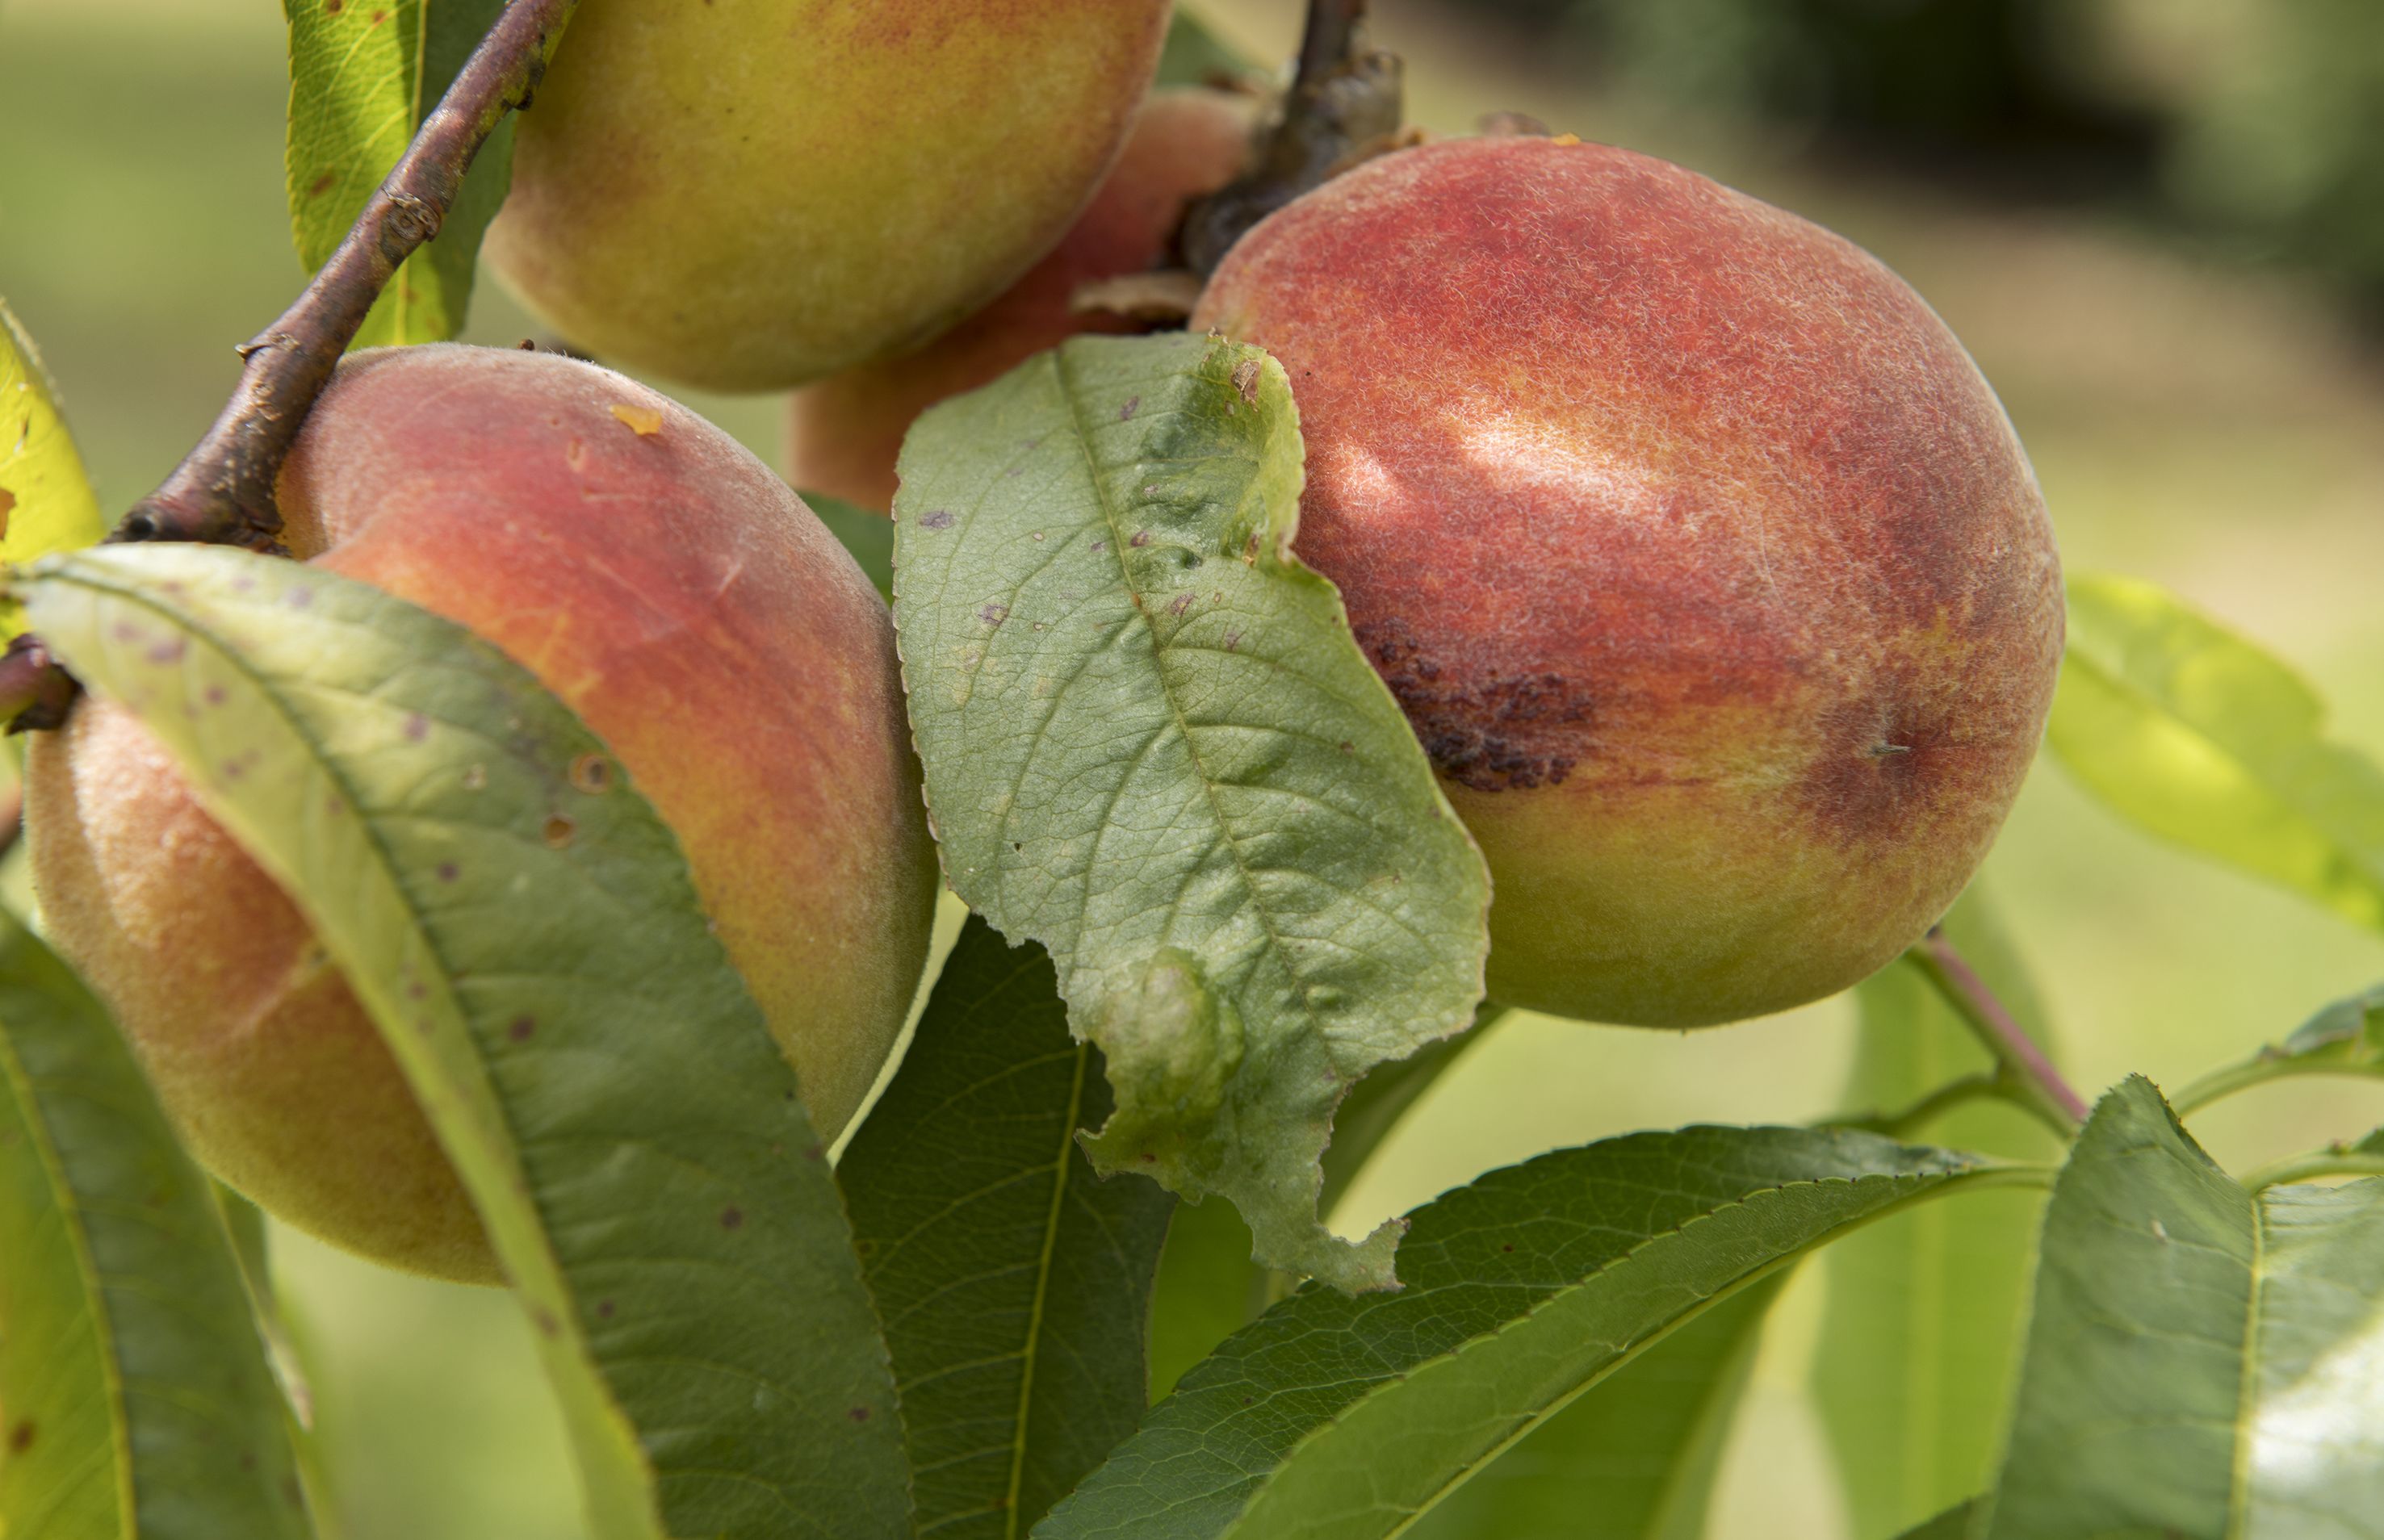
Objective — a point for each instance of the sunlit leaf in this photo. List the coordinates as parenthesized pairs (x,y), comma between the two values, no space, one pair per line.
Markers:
(1014,1283)
(2189,730)
(1920,1338)
(2201,1363)
(528,940)
(362,78)
(1340,1417)
(135,1402)
(1152,745)
(45,499)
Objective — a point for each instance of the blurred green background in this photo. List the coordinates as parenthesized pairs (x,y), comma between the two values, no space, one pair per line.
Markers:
(2159,223)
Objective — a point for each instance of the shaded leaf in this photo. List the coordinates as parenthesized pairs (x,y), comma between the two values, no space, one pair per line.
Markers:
(47,502)
(2190,731)
(869,536)
(1336,1416)
(1015,1284)
(1953,1524)
(1920,1338)
(135,1401)
(1152,745)
(362,79)
(2200,1363)
(1208,1289)
(1632,1460)
(528,940)
(1195,55)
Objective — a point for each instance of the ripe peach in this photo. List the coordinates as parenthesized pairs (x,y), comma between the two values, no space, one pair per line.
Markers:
(748,196)
(844,432)
(1706,566)
(667,585)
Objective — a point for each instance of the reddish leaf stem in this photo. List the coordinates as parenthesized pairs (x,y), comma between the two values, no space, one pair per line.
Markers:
(2014,1050)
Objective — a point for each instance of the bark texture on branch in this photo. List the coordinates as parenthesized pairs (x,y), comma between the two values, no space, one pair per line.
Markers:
(222,493)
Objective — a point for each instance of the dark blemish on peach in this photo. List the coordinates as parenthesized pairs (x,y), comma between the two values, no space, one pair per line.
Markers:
(520,1029)
(592,773)
(1142,537)
(558,831)
(416,990)
(603,1309)
(233,769)
(248,1460)
(1133,405)
(21,1438)
(939,518)
(417,727)
(448,871)
(213,695)
(731,1217)
(298,599)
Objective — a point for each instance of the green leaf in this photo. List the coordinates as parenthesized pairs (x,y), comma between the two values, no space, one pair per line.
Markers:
(1920,1338)
(135,1401)
(1014,1283)
(1337,1417)
(1953,1524)
(363,76)
(1208,1289)
(2195,734)
(1635,1459)
(47,502)
(526,937)
(2201,1363)
(2344,1036)
(1195,55)
(1152,745)
(869,536)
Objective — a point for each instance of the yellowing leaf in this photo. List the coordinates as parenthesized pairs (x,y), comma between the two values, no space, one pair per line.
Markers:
(47,502)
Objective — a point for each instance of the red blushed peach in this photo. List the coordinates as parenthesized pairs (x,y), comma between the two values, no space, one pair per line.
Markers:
(669,587)
(844,432)
(1706,566)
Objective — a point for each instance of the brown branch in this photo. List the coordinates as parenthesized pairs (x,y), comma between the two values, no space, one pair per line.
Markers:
(222,493)
(1343,105)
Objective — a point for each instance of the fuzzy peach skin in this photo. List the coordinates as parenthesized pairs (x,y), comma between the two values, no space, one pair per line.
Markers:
(1707,568)
(745,194)
(667,585)
(844,432)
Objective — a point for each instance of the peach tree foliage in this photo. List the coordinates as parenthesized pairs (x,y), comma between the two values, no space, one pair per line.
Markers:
(1225,931)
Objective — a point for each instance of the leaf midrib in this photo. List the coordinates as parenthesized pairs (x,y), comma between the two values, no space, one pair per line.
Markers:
(37,1127)
(1275,944)
(1060,1179)
(1928,1186)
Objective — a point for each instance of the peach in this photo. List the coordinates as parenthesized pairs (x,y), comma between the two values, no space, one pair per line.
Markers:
(1706,566)
(746,196)
(665,584)
(844,432)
